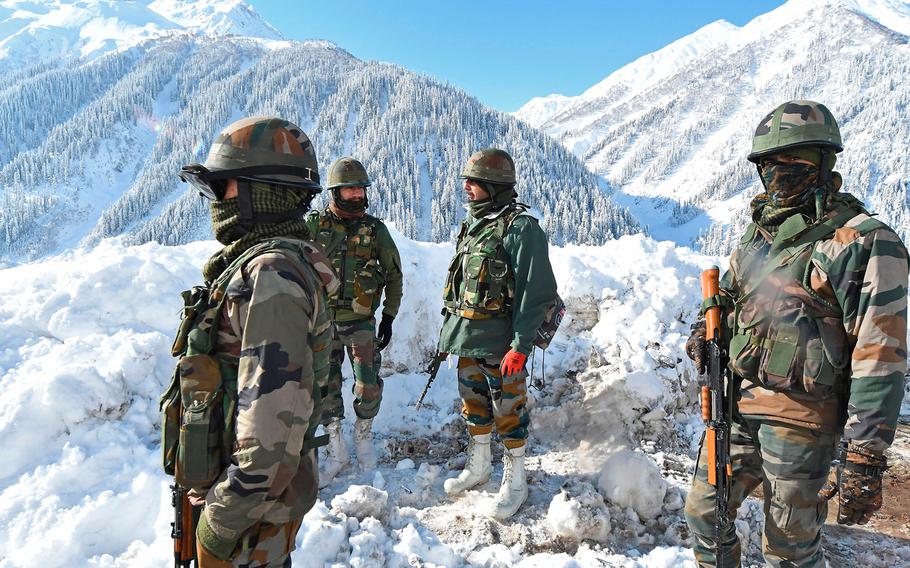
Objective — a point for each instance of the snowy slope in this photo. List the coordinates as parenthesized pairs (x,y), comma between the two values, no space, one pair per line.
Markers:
(84,355)
(34,32)
(101,160)
(672,129)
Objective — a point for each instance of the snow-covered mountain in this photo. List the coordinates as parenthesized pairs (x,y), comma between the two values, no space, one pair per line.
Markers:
(33,32)
(670,131)
(100,157)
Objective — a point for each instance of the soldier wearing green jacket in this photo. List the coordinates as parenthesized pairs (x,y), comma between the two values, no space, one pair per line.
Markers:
(498,289)
(367,262)
(816,295)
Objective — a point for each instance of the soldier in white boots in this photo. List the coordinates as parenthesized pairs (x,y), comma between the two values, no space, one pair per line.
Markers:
(498,290)
(366,260)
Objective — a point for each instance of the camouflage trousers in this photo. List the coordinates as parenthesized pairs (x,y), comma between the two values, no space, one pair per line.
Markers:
(487,397)
(358,337)
(791,464)
(263,546)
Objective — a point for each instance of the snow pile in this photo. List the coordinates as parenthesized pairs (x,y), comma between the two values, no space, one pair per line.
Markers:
(579,513)
(361,501)
(84,354)
(631,479)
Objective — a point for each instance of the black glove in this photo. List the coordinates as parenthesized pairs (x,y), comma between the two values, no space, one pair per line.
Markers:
(385,331)
(858,481)
(696,347)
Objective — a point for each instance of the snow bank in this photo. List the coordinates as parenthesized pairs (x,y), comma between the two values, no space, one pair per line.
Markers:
(84,355)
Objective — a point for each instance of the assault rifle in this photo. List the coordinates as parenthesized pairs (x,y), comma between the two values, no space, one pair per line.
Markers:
(182,529)
(432,370)
(717,408)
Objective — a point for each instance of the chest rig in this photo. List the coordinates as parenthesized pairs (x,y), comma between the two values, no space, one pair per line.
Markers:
(354,252)
(787,336)
(480,283)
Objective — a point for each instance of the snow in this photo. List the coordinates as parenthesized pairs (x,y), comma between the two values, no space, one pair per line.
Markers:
(669,131)
(85,354)
(580,514)
(361,501)
(632,479)
(33,32)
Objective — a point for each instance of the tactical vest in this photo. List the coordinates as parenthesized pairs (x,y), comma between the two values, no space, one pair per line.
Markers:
(480,283)
(786,336)
(354,252)
(197,409)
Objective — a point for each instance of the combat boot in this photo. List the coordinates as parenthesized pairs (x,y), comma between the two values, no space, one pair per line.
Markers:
(477,470)
(363,441)
(514,489)
(336,454)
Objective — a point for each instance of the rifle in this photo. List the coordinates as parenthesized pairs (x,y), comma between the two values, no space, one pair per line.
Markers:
(182,529)
(432,370)
(717,409)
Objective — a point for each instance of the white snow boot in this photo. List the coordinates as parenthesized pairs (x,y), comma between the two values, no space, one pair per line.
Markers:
(514,489)
(363,442)
(477,470)
(336,454)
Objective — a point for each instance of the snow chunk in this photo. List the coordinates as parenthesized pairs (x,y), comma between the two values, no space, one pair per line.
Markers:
(369,545)
(361,501)
(321,538)
(423,550)
(631,479)
(579,513)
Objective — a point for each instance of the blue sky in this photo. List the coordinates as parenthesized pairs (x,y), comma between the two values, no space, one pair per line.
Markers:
(504,52)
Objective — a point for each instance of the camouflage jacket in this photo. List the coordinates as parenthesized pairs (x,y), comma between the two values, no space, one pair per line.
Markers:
(365,258)
(520,256)
(821,340)
(275,323)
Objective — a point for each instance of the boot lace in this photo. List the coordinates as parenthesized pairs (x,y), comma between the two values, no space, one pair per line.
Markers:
(507,471)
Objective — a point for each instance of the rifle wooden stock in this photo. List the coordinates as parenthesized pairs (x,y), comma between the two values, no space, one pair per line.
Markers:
(183,529)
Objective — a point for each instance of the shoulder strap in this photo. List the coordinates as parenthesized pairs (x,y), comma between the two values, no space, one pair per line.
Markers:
(749,234)
(815,233)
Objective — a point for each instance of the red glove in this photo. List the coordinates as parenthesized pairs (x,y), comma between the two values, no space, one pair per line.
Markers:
(512,363)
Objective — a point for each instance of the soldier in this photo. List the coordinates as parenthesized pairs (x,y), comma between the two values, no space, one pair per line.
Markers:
(366,258)
(498,289)
(817,296)
(271,333)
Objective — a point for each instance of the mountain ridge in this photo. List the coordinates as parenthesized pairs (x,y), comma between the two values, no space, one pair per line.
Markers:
(102,159)
(675,152)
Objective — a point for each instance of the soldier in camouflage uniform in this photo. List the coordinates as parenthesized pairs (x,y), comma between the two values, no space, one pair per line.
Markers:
(498,289)
(273,334)
(816,295)
(366,258)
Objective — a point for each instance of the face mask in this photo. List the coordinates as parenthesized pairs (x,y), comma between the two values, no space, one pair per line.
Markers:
(786,181)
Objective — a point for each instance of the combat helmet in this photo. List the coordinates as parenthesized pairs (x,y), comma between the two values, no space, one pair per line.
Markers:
(796,124)
(264,149)
(348,172)
(490,165)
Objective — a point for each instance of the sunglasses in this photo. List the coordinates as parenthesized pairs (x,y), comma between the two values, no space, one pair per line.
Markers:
(210,184)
